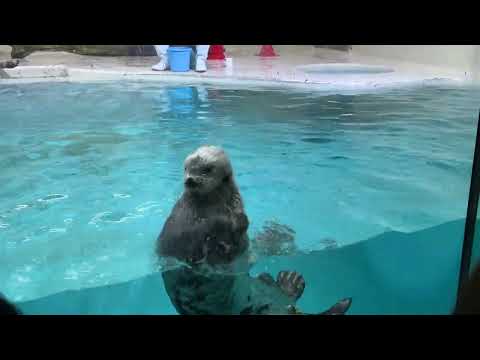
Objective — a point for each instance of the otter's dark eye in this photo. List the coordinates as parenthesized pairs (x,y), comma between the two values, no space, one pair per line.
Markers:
(207,169)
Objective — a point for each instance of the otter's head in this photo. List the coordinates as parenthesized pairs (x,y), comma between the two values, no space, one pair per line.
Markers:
(206,170)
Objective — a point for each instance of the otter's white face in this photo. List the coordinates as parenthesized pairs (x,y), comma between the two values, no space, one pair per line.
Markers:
(206,169)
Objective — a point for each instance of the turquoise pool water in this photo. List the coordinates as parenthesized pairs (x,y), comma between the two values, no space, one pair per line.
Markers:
(90,172)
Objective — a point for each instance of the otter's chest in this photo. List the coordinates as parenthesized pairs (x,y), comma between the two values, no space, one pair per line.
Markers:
(204,212)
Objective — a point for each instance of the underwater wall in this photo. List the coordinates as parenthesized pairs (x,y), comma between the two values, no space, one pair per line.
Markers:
(390,274)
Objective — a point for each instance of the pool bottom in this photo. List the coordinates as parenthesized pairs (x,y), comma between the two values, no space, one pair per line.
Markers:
(390,274)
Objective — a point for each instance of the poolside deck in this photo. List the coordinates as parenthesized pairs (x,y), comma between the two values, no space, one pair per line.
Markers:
(338,70)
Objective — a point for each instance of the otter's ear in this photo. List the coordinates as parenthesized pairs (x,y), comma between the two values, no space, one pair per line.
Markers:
(226,178)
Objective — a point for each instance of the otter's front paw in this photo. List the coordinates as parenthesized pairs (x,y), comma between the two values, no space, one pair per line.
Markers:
(241,223)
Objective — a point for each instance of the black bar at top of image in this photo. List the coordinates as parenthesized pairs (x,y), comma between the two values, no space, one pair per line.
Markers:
(469,234)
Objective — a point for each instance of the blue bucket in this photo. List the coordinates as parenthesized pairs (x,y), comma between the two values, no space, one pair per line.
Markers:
(179,58)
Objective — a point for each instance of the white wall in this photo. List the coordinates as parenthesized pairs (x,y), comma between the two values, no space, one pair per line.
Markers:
(5,51)
(460,57)
(251,50)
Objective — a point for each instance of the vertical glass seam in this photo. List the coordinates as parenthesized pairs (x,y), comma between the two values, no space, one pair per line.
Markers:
(468,236)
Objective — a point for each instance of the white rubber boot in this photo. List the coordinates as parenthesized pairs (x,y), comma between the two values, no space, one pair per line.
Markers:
(201,64)
(162,65)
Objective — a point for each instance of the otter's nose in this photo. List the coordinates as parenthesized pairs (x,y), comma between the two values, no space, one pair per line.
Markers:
(189,182)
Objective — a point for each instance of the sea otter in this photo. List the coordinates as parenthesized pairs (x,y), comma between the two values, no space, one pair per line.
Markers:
(204,244)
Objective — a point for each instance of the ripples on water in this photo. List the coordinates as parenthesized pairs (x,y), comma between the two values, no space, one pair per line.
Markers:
(90,172)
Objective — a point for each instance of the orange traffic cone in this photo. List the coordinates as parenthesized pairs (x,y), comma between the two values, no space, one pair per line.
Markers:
(216,52)
(267,51)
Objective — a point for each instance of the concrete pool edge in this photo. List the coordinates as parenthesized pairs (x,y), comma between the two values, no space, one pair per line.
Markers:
(345,68)
(329,82)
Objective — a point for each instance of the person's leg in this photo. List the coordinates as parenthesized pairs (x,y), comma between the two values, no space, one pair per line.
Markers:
(201,61)
(202,50)
(162,54)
